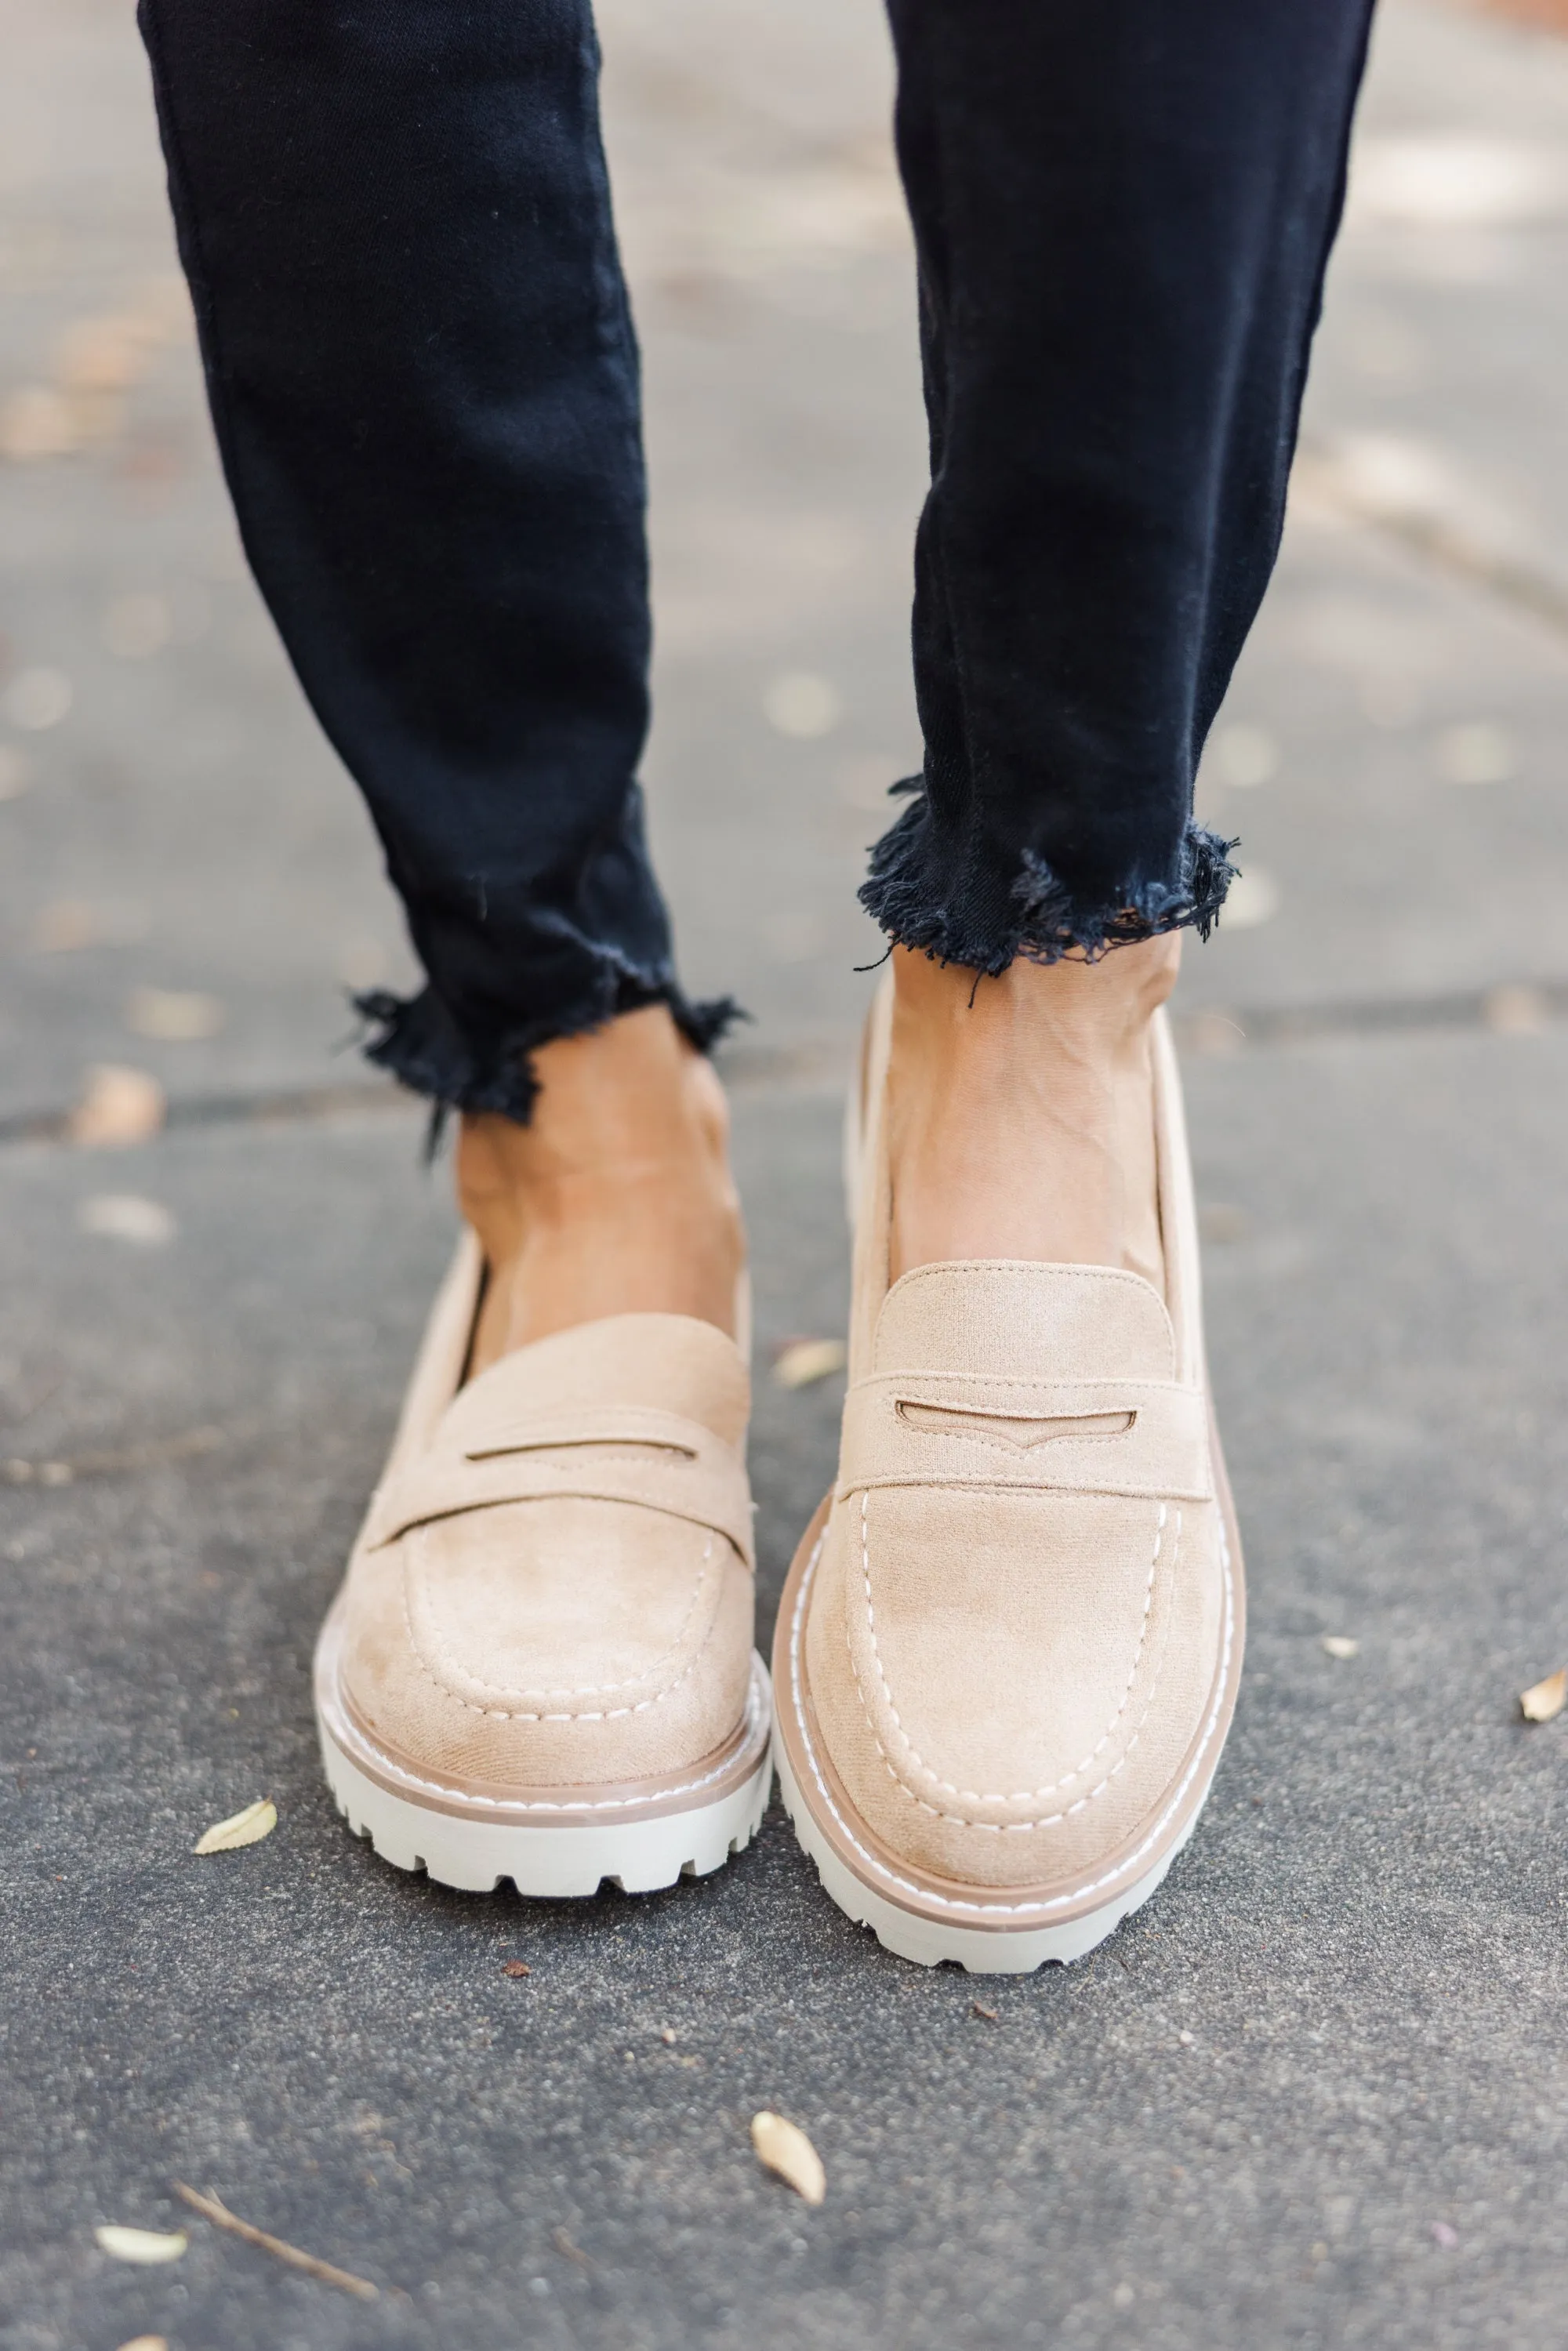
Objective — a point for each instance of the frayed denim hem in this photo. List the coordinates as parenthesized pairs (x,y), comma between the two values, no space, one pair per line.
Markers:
(1039,917)
(418,1039)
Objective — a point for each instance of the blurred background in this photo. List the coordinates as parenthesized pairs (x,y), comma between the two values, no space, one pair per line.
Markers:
(1313,2096)
(188,885)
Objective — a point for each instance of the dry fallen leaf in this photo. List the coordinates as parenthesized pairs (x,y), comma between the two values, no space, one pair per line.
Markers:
(1253,899)
(126,1217)
(37,699)
(176,1015)
(256,1821)
(144,2245)
(138,625)
(516,1967)
(978,2008)
(1339,1645)
(146,2342)
(35,422)
(1546,1699)
(117,1106)
(802,705)
(64,925)
(786,2150)
(1516,1011)
(1243,756)
(805,1360)
(105,354)
(1477,752)
(48,1473)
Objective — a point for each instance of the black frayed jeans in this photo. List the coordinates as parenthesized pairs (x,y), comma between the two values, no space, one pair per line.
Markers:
(395,219)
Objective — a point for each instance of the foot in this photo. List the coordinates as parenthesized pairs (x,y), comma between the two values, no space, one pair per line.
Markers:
(540,1665)
(1020,1110)
(617,1196)
(1007,1648)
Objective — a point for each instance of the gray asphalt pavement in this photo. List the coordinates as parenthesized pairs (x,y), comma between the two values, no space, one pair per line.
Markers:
(1316,2094)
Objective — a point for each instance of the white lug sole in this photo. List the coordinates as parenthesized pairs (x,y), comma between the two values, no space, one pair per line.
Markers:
(478,1842)
(927,1942)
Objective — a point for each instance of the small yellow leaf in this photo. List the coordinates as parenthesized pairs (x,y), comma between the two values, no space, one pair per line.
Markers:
(105,354)
(117,1106)
(1546,1699)
(805,1361)
(126,1217)
(256,1821)
(801,703)
(1516,1011)
(144,2245)
(176,1015)
(786,2150)
(1339,1645)
(37,699)
(146,2342)
(63,926)
(35,422)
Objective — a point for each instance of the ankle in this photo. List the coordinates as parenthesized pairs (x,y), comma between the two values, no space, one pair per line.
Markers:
(618,1108)
(1020,1110)
(1099,1012)
(616,1197)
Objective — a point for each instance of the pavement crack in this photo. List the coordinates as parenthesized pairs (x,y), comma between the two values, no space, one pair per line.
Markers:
(1509,1009)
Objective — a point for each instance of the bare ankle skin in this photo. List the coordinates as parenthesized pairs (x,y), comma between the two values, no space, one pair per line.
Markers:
(1020,1110)
(616,1198)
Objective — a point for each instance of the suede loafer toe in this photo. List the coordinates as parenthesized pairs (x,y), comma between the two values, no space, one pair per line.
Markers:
(540,1665)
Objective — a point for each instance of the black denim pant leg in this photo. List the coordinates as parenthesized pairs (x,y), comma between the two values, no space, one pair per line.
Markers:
(396,220)
(1122,212)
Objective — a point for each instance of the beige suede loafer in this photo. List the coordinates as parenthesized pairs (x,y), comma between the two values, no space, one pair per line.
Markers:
(539,1666)
(1009,1647)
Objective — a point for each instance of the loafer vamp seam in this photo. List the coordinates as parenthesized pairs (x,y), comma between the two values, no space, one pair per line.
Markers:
(538,1713)
(997,1904)
(1006,1800)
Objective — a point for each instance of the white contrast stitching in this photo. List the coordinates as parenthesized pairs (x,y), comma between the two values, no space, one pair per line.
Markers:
(1025,1795)
(1031,1380)
(572,1804)
(605,1688)
(923,1893)
(993,1828)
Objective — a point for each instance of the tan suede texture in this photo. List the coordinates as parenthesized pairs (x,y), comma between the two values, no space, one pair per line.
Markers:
(553,1587)
(1014,1629)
